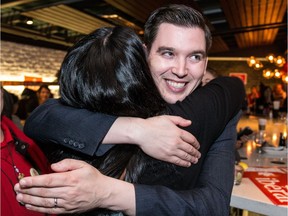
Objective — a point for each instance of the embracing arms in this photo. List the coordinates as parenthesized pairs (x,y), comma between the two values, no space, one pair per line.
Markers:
(84,131)
(85,188)
(196,201)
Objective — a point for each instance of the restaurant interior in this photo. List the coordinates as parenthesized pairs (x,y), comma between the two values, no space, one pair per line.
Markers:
(249,42)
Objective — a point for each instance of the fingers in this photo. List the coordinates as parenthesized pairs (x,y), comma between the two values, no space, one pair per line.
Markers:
(41,191)
(43,205)
(54,179)
(179,162)
(179,121)
(67,165)
(182,158)
(54,211)
(47,180)
(47,202)
(189,139)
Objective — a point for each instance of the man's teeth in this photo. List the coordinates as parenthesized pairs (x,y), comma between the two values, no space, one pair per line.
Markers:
(175,84)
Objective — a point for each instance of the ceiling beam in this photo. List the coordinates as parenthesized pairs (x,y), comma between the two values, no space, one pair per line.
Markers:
(15,3)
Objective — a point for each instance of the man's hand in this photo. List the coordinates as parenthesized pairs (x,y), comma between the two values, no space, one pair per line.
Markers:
(76,187)
(161,138)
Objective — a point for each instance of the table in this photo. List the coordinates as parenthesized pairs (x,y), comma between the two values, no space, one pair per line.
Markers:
(247,195)
(273,127)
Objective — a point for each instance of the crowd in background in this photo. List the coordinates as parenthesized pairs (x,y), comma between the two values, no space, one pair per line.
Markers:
(260,99)
(18,109)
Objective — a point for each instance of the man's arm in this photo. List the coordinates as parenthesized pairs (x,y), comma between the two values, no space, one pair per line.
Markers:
(212,194)
(84,131)
(48,123)
(210,197)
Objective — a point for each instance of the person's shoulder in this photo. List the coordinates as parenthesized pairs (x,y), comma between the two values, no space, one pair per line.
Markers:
(227,81)
(221,79)
(51,102)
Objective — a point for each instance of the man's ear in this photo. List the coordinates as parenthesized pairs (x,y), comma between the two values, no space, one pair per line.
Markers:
(206,63)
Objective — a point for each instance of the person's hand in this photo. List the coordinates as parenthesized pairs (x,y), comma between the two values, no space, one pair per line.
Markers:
(161,138)
(76,187)
(242,140)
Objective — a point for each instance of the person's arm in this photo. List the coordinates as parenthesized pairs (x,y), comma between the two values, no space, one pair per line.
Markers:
(210,197)
(149,199)
(78,129)
(71,185)
(84,131)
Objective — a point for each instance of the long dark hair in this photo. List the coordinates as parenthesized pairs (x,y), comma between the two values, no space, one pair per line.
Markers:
(107,72)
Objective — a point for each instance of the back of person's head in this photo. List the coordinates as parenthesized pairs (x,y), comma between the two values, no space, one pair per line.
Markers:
(179,15)
(27,93)
(106,71)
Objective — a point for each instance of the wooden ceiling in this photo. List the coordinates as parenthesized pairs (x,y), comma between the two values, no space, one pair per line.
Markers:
(235,24)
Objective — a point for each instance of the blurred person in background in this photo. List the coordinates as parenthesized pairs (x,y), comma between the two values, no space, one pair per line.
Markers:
(26,96)
(252,98)
(265,98)
(31,99)
(209,75)
(279,94)
(43,94)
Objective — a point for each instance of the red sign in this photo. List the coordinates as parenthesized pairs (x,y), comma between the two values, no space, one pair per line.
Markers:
(272,182)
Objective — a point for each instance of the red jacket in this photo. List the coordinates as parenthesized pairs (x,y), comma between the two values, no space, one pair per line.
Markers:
(9,157)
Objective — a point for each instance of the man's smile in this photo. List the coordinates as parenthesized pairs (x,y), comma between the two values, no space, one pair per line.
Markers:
(176,86)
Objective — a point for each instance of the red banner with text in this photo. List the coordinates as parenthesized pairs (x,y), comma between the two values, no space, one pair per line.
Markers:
(271,181)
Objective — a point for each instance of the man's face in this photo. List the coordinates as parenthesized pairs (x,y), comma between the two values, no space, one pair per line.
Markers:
(177,60)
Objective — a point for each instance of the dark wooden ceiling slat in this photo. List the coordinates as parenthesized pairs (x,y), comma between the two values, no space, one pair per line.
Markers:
(128,8)
(245,27)
(67,17)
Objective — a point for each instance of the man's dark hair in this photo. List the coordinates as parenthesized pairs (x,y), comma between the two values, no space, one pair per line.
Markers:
(179,15)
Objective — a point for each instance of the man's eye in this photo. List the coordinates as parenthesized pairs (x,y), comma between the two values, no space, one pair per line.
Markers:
(167,54)
(197,58)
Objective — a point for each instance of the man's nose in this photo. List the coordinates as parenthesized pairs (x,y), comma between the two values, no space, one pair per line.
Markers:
(180,68)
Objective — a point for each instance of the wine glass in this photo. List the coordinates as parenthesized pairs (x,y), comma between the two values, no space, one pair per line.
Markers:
(259,141)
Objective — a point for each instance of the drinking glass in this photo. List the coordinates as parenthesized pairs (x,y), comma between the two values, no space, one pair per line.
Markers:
(259,140)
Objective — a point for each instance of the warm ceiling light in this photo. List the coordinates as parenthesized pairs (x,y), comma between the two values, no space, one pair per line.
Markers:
(277,73)
(270,58)
(29,22)
(111,16)
(251,61)
(285,79)
(258,65)
(279,61)
(268,73)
